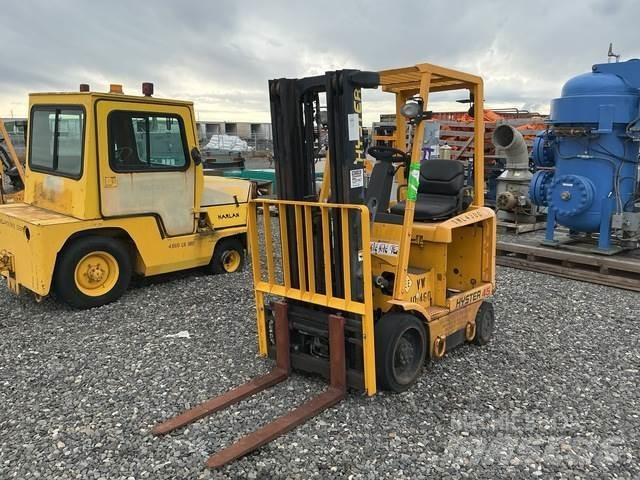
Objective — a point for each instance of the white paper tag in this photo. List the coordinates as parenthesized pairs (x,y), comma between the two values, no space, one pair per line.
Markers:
(357,178)
(383,248)
(353,121)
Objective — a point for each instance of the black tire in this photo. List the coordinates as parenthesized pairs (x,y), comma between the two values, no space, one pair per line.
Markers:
(401,349)
(485,323)
(221,255)
(65,284)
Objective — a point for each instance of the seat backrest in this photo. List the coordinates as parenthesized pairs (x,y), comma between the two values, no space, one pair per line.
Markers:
(380,184)
(441,177)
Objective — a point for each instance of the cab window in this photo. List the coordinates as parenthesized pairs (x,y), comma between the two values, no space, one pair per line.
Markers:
(56,140)
(141,142)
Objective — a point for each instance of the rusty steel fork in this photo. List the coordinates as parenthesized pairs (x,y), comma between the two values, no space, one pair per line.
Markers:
(335,393)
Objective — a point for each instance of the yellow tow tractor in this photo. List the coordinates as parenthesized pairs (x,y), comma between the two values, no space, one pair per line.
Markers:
(368,289)
(114,187)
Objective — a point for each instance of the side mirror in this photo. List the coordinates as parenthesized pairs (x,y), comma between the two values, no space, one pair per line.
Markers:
(196,157)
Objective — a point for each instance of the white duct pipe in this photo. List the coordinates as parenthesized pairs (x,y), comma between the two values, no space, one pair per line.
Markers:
(512,142)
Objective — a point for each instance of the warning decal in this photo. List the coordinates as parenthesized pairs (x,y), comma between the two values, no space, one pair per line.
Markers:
(357,178)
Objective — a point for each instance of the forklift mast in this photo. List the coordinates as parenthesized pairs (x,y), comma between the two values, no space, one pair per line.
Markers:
(296,123)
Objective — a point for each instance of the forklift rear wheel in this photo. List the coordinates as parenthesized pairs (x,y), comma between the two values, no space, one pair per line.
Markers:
(228,256)
(92,271)
(401,348)
(485,322)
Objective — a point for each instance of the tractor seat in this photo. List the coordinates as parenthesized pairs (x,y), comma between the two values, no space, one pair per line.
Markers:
(441,192)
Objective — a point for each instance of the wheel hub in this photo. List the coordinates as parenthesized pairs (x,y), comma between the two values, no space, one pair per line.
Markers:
(231,260)
(96,273)
(405,357)
(404,353)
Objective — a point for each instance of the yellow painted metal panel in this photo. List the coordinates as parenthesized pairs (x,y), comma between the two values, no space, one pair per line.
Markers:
(478,143)
(266,218)
(284,243)
(261,324)
(302,271)
(368,334)
(326,252)
(344,218)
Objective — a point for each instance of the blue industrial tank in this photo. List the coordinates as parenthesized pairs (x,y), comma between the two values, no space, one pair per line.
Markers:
(588,158)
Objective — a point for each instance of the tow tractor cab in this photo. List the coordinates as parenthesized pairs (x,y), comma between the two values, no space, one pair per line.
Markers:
(115,187)
(371,284)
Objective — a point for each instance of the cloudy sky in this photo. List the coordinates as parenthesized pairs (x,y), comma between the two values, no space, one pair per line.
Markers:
(220,54)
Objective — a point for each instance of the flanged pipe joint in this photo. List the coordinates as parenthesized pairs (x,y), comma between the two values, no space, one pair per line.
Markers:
(512,199)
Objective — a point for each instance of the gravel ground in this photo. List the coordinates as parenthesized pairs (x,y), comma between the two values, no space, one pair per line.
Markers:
(554,395)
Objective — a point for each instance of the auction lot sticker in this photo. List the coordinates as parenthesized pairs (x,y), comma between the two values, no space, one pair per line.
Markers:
(383,248)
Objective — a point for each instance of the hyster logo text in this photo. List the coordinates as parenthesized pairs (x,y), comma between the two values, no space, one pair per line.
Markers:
(473,296)
(468,299)
(357,108)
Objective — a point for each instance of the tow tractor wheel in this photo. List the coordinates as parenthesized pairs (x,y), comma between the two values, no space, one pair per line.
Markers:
(228,256)
(485,322)
(401,348)
(92,271)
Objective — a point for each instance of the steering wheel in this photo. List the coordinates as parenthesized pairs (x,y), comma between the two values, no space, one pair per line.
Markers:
(124,153)
(388,154)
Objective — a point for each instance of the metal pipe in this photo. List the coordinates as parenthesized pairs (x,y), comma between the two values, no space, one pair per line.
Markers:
(512,142)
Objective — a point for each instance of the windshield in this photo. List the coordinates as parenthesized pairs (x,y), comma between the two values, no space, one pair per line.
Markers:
(56,140)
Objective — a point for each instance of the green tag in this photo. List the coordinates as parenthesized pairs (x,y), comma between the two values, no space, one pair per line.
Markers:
(414,181)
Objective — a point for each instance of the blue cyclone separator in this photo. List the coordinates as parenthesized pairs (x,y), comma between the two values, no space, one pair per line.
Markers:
(588,158)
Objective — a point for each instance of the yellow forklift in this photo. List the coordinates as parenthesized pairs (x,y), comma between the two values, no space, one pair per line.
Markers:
(369,289)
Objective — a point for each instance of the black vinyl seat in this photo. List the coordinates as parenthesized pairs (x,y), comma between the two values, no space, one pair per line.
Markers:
(441,192)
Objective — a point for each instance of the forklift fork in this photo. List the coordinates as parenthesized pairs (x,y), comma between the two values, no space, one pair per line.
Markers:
(335,393)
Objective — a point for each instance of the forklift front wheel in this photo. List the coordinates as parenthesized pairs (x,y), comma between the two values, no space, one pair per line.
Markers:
(401,348)
(485,322)
(228,256)
(92,271)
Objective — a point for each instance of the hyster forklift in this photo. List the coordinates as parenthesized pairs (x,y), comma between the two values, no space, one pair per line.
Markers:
(115,186)
(368,289)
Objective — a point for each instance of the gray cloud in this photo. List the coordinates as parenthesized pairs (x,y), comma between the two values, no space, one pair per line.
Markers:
(221,54)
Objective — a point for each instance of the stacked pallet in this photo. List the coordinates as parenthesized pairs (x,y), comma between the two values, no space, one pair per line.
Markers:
(456,130)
